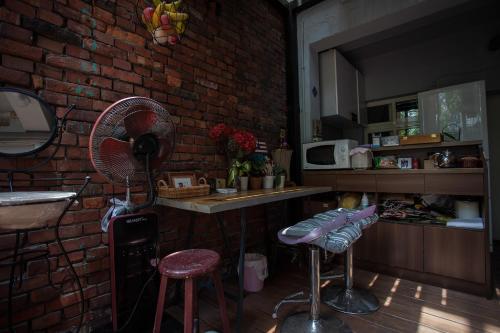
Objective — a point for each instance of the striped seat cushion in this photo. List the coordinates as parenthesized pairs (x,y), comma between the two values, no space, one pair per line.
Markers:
(363,218)
(338,240)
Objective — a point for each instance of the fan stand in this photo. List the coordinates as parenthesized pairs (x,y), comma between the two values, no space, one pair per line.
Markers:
(133,248)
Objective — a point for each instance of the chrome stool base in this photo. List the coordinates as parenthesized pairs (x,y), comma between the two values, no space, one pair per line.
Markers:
(351,301)
(302,323)
(347,299)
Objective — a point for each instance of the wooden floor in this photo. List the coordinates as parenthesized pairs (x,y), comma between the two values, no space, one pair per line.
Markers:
(406,306)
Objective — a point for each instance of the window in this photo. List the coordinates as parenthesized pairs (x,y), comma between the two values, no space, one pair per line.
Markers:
(396,116)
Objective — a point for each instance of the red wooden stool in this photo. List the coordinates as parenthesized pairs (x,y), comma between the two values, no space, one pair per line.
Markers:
(189,265)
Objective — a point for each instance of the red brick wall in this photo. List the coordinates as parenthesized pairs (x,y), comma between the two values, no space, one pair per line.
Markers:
(230,67)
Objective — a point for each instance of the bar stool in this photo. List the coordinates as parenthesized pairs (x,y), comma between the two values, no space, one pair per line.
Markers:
(346,298)
(188,265)
(310,232)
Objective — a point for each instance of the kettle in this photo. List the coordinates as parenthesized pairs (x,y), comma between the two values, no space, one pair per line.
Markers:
(444,160)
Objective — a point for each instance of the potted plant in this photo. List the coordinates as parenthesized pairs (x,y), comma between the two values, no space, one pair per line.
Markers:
(269,174)
(280,175)
(238,173)
(256,174)
(237,145)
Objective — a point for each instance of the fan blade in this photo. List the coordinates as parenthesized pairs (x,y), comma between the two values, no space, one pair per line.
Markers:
(118,158)
(140,122)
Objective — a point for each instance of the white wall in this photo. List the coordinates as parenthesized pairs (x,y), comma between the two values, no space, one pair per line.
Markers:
(457,56)
(335,22)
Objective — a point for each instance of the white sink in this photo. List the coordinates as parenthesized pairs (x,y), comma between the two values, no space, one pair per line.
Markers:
(29,210)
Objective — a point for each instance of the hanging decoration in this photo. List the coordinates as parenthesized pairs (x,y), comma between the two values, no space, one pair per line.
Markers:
(165,20)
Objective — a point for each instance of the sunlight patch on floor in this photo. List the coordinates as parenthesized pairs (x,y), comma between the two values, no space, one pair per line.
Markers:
(418,292)
(372,282)
(272,329)
(394,288)
(444,296)
(395,285)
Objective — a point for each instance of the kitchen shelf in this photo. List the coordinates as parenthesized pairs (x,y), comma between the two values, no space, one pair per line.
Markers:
(429,146)
(432,224)
(399,171)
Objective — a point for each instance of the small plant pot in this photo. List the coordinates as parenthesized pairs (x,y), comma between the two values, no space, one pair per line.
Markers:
(243,183)
(268,182)
(280,182)
(255,183)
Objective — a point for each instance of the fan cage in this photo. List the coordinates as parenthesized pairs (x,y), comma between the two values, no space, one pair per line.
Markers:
(111,124)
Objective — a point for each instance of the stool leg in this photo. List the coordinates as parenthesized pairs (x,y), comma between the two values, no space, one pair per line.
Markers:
(160,304)
(347,299)
(189,305)
(222,302)
(313,322)
(314,279)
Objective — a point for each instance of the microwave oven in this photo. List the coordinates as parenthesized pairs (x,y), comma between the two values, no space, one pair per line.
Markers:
(331,154)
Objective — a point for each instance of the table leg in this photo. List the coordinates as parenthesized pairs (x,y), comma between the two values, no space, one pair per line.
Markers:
(189,238)
(227,247)
(12,281)
(241,263)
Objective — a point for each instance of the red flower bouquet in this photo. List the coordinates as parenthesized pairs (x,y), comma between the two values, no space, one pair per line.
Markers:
(235,143)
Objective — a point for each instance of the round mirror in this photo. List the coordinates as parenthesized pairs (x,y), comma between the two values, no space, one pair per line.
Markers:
(27,123)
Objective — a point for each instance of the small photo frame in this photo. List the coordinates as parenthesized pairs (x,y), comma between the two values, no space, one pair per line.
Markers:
(181,179)
(220,183)
(405,163)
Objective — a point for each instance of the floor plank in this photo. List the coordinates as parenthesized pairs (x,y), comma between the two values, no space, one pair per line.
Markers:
(406,306)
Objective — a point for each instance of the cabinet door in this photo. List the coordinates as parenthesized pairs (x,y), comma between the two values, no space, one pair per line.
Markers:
(392,244)
(455,253)
(400,183)
(347,88)
(328,84)
(356,183)
(319,179)
(360,84)
(459,184)
(338,86)
(400,245)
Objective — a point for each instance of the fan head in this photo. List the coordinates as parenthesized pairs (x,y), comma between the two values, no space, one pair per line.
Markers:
(126,134)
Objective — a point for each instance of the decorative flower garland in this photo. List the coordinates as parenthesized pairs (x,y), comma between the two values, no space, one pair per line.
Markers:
(166,22)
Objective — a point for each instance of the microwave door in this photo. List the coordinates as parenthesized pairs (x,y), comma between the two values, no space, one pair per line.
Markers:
(321,156)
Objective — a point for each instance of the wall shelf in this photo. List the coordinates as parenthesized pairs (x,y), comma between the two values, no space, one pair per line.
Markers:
(450,144)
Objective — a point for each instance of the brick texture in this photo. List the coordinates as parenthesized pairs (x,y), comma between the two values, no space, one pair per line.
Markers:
(229,67)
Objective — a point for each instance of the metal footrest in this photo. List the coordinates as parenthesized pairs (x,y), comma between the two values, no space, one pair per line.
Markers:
(290,299)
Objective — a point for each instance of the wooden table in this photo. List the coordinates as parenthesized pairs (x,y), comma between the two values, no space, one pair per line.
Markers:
(216,203)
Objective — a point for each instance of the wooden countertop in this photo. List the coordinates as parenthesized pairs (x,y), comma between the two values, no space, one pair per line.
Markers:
(218,202)
(399,171)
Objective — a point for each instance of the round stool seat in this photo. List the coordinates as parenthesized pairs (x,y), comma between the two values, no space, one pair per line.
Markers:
(189,264)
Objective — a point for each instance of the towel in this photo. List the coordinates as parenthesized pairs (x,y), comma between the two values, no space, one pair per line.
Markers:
(472,223)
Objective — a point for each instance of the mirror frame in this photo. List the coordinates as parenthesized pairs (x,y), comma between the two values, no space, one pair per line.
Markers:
(44,105)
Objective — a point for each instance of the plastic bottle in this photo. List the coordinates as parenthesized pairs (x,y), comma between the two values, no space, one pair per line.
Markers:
(364,201)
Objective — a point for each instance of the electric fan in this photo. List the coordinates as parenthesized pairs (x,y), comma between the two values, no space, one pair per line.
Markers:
(128,144)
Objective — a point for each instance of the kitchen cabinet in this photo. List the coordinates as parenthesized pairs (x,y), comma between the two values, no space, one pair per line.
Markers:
(392,244)
(341,87)
(455,184)
(400,183)
(456,107)
(454,252)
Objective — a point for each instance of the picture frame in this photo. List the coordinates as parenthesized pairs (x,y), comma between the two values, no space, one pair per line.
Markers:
(405,163)
(181,179)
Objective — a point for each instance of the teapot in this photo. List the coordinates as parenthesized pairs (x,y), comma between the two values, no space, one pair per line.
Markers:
(444,160)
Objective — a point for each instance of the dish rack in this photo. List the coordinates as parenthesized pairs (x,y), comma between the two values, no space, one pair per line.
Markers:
(168,192)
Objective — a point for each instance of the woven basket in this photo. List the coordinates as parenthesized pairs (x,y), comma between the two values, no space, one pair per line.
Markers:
(165,191)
